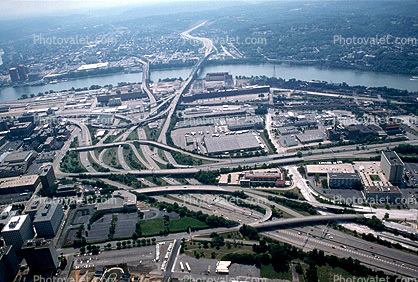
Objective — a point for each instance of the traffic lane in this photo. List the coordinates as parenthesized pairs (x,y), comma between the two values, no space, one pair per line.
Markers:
(309,244)
(357,243)
(353,244)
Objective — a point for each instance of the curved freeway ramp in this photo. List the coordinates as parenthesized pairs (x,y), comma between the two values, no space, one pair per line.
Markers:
(305,220)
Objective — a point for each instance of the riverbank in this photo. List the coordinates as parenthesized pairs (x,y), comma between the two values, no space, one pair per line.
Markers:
(284,70)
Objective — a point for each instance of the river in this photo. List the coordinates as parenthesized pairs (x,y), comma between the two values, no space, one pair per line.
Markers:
(285,71)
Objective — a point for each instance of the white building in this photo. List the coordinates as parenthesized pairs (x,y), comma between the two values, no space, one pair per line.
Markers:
(17,231)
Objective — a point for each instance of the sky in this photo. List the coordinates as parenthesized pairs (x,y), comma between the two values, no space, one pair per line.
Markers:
(23,8)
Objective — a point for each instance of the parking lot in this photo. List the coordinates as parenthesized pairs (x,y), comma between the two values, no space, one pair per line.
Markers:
(142,256)
(411,173)
(125,226)
(206,268)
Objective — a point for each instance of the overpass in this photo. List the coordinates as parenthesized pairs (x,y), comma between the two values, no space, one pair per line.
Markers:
(207,189)
(144,142)
(304,220)
(145,82)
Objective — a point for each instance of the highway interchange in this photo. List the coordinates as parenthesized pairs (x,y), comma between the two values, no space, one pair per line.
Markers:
(298,230)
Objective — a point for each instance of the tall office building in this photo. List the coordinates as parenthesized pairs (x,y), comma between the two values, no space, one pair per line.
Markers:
(17,231)
(40,255)
(14,74)
(392,166)
(47,219)
(9,264)
(22,70)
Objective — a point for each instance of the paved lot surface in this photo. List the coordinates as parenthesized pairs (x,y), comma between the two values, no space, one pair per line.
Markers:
(125,226)
(205,268)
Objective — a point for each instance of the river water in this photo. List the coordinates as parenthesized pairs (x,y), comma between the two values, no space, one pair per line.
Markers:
(307,73)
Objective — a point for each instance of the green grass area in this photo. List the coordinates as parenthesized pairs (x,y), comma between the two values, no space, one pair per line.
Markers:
(291,194)
(156,180)
(112,277)
(138,148)
(74,143)
(133,135)
(374,177)
(181,180)
(162,155)
(327,273)
(155,226)
(268,271)
(160,165)
(93,131)
(111,159)
(124,120)
(97,152)
(268,142)
(152,134)
(111,138)
(188,160)
(71,163)
(192,248)
(96,166)
(131,159)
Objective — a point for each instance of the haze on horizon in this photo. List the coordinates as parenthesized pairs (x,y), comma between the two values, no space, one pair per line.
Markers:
(23,9)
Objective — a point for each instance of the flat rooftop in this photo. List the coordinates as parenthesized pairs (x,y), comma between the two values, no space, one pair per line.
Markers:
(17,181)
(15,223)
(382,189)
(46,212)
(329,168)
(228,143)
(392,157)
(17,157)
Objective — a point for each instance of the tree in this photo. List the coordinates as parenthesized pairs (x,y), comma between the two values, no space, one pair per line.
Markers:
(386,217)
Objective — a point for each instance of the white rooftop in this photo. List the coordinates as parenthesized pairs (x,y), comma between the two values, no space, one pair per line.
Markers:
(15,223)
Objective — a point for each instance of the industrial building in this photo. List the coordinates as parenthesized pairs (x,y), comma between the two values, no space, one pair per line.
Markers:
(324,169)
(343,180)
(254,178)
(383,194)
(306,138)
(9,264)
(123,96)
(19,184)
(16,163)
(47,219)
(245,123)
(286,130)
(17,231)
(225,93)
(356,131)
(216,145)
(218,76)
(392,166)
(119,202)
(40,255)
(290,141)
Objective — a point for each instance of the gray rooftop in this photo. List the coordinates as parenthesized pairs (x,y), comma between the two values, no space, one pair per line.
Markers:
(229,143)
(46,212)
(392,157)
(17,157)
